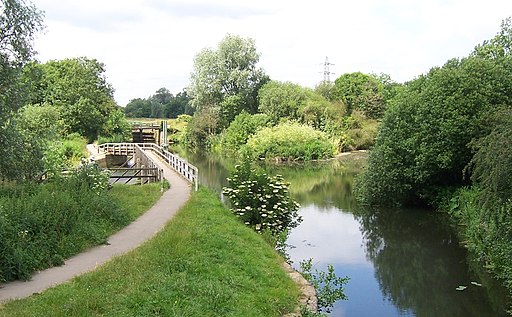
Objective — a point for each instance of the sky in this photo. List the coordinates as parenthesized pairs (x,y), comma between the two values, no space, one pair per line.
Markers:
(149,44)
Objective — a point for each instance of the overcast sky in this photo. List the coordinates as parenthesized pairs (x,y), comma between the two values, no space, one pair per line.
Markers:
(149,44)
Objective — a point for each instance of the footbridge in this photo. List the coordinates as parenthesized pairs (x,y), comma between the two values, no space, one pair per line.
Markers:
(145,155)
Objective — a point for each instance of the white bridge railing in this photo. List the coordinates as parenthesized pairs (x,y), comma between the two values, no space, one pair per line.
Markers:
(184,168)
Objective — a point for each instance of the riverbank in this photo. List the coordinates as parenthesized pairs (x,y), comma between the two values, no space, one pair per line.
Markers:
(203,263)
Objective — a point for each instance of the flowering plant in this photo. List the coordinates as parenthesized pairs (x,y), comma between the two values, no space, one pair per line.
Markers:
(261,201)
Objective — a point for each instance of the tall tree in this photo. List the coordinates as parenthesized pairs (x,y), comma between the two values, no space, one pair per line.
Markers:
(78,87)
(360,91)
(19,23)
(163,96)
(227,77)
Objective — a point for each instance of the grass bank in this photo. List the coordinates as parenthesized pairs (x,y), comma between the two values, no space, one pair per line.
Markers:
(135,200)
(43,224)
(204,263)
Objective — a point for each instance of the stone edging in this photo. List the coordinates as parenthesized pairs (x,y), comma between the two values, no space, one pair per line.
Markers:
(307,296)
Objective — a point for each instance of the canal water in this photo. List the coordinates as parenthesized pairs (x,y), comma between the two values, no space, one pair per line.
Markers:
(400,262)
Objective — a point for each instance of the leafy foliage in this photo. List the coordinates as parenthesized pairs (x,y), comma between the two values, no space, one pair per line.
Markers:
(499,46)
(78,87)
(41,225)
(64,154)
(422,142)
(260,201)
(230,70)
(362,92)
(328,286)
(243,126)
(492,162)
(290,141)
(487,231)
(358,133)
(116,127)
(19,23)
(281,100)
(162,104)
(201,128)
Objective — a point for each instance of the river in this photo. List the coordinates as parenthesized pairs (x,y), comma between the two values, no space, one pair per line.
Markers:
(400,262)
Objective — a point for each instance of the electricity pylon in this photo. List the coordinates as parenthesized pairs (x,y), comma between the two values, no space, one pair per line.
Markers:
(327,72)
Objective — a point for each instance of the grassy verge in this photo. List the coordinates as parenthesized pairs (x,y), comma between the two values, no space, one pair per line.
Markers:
(135,200)
(204,263)
(43,224)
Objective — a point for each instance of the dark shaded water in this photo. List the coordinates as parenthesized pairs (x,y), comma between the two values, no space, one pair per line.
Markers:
(400,262)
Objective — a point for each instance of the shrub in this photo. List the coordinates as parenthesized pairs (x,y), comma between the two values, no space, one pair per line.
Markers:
(41,225)
(65,154)
(291,141)
(361,92)
(359,132)
(204,124)
(260,201)
(281,100)
(243,126)
(491,165)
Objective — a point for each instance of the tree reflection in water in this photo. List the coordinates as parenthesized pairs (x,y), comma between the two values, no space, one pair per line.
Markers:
(419,263)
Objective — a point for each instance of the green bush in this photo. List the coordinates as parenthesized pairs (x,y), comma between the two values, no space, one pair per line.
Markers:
(260,201)
(359,132)
(491,165)
(41,225)
(65,153)
(361,92)
(290,141)
(243,126)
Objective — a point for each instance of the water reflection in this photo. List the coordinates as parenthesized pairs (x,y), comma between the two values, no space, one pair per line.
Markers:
(418,264)
(324,185)
(400,263)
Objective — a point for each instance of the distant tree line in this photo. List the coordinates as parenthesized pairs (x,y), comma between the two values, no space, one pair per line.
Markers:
(162,104)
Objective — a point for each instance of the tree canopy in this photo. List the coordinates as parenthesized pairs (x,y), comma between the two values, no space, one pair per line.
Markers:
(362,92)
(227,78)
(78,87)
(19,24)
(422,144)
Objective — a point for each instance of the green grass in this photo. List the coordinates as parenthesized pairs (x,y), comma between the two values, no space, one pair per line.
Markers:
(43,224)
(135,200)
(204,263)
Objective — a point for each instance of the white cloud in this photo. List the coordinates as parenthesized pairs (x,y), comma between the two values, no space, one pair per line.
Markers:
(151,44)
